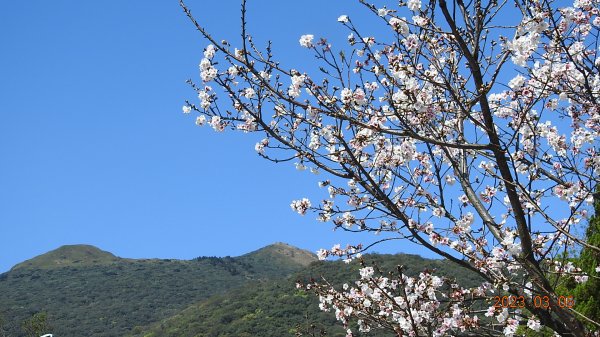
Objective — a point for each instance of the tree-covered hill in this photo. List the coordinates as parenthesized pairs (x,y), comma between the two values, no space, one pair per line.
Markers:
(83,291)
(277,308)
(89,292)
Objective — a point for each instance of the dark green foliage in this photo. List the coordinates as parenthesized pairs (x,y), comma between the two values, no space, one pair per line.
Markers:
(261,309)
(5,326)
(586,294)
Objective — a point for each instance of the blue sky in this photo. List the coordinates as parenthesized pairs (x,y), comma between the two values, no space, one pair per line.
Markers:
(94,148)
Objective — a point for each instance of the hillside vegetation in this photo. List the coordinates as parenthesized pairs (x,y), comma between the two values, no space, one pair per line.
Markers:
(84,291)
(275,309)
(88,292)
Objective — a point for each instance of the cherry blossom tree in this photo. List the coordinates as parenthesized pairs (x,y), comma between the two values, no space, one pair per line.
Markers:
(447,126)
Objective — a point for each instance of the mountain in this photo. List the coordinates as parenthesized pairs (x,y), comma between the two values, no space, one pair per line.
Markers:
(69,255)
(90,292)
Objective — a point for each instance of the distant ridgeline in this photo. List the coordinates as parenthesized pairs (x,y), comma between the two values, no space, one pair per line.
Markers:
(85,291)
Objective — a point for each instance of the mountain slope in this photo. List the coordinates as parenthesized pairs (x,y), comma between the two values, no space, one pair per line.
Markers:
(275,309)
(88,292)
(97,294)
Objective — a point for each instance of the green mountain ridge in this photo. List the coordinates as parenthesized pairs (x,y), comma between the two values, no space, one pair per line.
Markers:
(277,308)
(86,255)
(89,292)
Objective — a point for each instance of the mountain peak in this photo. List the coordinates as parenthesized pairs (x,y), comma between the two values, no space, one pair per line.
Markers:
(69,255)
(280,252)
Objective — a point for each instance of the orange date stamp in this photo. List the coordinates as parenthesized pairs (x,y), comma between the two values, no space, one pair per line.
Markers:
(537,301)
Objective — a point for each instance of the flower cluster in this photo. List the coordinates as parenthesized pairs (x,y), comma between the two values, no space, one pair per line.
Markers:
(300,206)
(425,305)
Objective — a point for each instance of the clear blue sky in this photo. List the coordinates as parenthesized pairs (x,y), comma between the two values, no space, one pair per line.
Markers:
(94,148)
